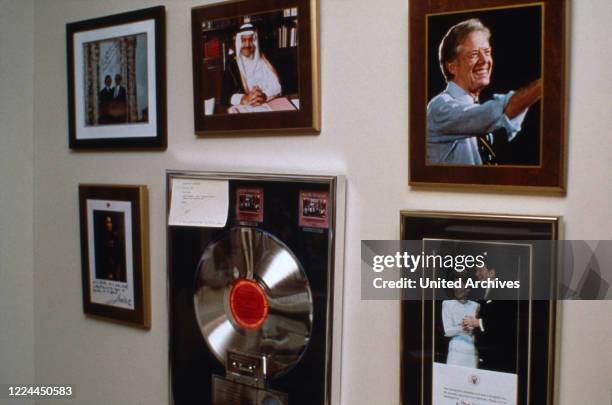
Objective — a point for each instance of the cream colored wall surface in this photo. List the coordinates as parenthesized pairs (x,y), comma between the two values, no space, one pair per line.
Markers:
(16,188)
(364,76)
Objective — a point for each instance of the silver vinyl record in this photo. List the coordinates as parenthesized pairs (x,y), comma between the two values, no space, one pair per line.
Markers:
(252,295)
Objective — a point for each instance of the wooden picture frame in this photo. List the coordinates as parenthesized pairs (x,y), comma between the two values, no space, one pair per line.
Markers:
(531,368)
(455,143)
(279,90)
(117,81)
(115,253)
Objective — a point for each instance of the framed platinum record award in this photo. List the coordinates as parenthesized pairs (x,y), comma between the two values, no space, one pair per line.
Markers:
(253,261)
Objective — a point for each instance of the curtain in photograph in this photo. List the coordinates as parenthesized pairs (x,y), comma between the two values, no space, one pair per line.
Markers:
(91,53)
(127,56)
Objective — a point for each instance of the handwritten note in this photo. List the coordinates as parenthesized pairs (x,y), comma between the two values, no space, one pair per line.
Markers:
(198,202)
(113,293)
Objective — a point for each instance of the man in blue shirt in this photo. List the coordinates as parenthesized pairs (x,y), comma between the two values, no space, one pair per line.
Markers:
(459,128)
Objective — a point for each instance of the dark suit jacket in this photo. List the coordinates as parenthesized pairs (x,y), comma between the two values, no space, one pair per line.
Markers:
(118,112)
(104,100)
(121,96)
(498,344)
(232,83)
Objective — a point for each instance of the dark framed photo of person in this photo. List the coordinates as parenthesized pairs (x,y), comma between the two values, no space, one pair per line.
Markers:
(474,340)
(117,81)
(488,94)
(114,253)
(256,67)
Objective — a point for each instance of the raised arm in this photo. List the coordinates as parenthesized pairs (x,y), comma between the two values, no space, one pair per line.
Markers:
(524,98)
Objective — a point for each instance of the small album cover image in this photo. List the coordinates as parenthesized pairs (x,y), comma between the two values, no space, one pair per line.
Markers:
(313,209)
(249,204)
(116,76)
(109,242)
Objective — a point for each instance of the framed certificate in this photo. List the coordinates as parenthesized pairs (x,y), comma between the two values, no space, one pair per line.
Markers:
(471,342)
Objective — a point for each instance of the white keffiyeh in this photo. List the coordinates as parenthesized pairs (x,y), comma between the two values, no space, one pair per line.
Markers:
(255,70)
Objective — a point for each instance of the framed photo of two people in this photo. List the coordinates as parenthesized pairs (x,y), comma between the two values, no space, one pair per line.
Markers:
(487,93)
(256,67)
(117,81)
(477,342)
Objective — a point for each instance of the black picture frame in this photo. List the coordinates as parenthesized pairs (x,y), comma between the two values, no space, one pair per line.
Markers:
(536,319)
(131,45)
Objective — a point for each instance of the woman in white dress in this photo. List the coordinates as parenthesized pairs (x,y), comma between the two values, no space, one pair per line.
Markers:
(461,348)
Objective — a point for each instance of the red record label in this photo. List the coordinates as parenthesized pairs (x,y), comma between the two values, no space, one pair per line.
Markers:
(249,304)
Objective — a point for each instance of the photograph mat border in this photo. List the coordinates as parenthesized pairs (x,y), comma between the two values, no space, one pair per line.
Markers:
(124,207)
(130,130)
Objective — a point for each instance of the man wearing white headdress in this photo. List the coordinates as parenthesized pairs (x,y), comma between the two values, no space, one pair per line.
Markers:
(249,78)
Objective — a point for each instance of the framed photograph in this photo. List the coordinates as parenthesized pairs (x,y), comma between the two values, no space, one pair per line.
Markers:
(250,204)
(468,343)
(256,67)
(488,94)
(117,81)
(313,209)
(114,253)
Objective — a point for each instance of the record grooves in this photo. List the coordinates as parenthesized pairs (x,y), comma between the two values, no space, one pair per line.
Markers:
(251,295)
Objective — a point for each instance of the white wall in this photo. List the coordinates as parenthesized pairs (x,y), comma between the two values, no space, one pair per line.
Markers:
(16,188)
(364,73)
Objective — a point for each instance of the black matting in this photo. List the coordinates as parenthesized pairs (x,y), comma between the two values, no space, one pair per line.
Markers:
(192,364)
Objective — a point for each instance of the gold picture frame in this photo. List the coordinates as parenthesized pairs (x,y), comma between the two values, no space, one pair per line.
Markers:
(478,146)
(534,360)
(284,74)
(115,253)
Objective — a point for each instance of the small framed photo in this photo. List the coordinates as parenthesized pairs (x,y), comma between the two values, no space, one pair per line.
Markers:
(314,211)
(117,81)
(114,253)
(487,100)
(250,204)
(487,331)
(256,67)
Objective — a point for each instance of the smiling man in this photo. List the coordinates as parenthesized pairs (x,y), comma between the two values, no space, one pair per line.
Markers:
(249,79)
(459,128)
